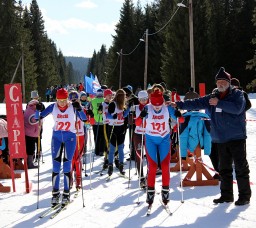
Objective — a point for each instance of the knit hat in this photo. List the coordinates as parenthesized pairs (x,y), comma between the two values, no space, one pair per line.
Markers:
(223,75)
(103,87)
(83,94)
(34,94)
(62,94)
(157,98)
(143,94)
(107,92)
(128,90)
(99,93)
(235,82)
(73,95)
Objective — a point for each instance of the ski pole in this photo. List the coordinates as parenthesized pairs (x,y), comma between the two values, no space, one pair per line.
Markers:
(90,146)
(181,183)
(96,140)
(85,151)
(141,160)
(38,165)
(79,157)
(130,162)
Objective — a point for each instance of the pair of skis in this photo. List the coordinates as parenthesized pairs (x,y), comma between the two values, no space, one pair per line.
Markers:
(119,174)
(58,208)
(165,206)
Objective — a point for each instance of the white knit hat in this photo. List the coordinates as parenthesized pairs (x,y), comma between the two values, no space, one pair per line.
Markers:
(143,94)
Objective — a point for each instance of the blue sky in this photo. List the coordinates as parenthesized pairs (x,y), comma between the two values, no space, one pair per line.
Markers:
(78,27)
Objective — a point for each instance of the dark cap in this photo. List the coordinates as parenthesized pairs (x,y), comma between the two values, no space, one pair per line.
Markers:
(235,82)
(223,75)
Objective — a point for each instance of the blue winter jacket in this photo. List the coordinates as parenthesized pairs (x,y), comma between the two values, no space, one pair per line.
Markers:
(227,118)
(195,131)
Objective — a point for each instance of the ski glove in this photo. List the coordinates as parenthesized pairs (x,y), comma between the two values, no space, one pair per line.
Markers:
(177,113)
(39,107)
(143,113)
(90,113)
(100,108)
(77,106)
(114,116)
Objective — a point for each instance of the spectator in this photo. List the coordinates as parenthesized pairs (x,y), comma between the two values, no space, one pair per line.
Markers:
(175,96)
(226,107)
(191,94)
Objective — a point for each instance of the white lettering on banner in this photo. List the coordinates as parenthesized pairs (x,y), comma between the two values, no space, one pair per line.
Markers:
(16,146)
(11,94)
(16,123)
(15,108)
(16,134)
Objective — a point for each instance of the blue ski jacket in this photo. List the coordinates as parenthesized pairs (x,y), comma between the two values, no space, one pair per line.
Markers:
(195,131)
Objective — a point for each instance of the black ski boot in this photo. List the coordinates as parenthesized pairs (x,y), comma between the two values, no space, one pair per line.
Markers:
(110,169)
(121,168)
(150,195)
(55,197)
(105,164)
(65,198)
(143,183)
(165,194)
(117,164)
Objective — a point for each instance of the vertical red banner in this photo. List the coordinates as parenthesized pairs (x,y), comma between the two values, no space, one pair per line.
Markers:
(15,126)
(202,89)
(15,120)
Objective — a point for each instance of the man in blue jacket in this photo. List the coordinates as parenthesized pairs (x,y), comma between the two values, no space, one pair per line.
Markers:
(226,107)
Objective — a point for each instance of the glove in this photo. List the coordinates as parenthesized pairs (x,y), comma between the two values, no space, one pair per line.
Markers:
(143,113)
(100,109)
(130,104)
(39,107)
(177,113)
(77,106)
(114,116)
(90,113)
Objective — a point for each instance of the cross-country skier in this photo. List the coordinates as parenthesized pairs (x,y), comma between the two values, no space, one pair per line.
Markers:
(116,114)
(65,115)
(157,138)
(80,136)
(138,134)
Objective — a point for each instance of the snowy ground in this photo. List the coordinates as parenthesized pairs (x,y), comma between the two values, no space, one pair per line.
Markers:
(113,204)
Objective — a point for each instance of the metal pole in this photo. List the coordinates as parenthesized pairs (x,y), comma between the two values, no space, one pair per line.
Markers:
(146,60)
(191,39)
(120,74)
(23,76)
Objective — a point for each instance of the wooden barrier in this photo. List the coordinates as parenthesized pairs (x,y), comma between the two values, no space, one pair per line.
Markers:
(4,188)
(199,170)
(5,171)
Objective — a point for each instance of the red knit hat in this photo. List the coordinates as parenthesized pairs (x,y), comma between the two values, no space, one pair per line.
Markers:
(107,92)
(62,94)
(157,98)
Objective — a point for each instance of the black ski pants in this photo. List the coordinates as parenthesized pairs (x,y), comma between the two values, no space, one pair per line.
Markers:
(229,153)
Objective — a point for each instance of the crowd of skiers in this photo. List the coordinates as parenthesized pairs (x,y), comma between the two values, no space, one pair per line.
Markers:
(150,119)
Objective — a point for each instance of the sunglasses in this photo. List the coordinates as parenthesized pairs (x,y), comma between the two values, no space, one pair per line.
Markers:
(62,100)
(143,99)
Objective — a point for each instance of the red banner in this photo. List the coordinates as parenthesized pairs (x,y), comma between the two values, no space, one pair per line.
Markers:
(15,120)
(15,127)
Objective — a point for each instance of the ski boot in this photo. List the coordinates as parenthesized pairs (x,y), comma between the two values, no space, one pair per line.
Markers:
(150,195)
(105,164)
(165,194)
(55,197)
(116,161)
(110,169)
(121,168)
(65,198)
(143,183)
